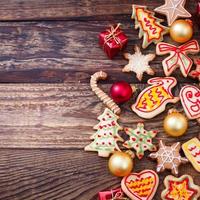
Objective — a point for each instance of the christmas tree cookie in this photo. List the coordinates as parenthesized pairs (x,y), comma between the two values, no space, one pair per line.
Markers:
(150,28)
(106,136)
(140,140)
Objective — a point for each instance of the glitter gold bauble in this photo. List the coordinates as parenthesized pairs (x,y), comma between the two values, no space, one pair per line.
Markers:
(181,31)
(120,164)
(175,124)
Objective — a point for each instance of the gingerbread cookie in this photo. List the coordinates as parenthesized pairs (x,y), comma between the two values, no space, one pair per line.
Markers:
(140,140)
(102,95)
(196,73)
(140,186)
(190,100)
(182,188)
(139,63)
(173,9)
(168,157)
(192,151)
(178,56)
(106,136)
(150,28)
(152,100)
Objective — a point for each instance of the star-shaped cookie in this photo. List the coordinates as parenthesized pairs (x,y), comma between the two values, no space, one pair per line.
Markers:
(173,9)
(196,73)
(168,157)
(182,188)
(140,140)
(139,63)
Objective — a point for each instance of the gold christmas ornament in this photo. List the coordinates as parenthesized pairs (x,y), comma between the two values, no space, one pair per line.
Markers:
(181,31)
(120,164)
(175,124)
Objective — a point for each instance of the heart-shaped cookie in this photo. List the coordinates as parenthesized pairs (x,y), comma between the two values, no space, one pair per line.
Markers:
(140,186)
(190,99)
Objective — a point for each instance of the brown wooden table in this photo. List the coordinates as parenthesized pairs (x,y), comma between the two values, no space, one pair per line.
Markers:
(48,51)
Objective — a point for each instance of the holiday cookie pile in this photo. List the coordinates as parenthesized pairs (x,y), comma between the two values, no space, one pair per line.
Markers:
(182,53)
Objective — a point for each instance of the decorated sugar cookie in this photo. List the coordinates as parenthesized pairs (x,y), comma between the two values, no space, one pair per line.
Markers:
(139,63)
(173,9)
(140,186)
(192,151)
(182,188)
(196,73)
(178,56)
(106,136)
(152,100)
(101,94)
(150,28)
(140,140)
(190,100)
(168,157)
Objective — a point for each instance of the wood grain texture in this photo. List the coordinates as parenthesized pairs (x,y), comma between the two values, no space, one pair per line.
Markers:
(66,51)
(68,9)
(46,174)
(60,9)
(51,115)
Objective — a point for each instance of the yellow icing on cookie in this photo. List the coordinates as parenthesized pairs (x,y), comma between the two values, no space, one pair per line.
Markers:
(180,191)
(142,187)
(153,98)
(192,152)
(149,24)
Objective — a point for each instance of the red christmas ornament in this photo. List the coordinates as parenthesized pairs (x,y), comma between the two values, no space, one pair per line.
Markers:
(121,92)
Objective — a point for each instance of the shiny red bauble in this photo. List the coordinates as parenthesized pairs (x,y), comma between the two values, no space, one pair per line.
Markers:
(121,92)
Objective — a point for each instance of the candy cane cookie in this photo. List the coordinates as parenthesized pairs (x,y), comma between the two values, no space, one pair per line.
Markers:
(102,95)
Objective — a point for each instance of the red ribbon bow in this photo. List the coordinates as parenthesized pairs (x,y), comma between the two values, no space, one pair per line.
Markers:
(178,56)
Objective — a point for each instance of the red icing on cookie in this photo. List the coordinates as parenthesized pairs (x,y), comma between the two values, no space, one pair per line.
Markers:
(152,100)
(181,188)
(150,28)
(178,56)
(190,99)
(140,186)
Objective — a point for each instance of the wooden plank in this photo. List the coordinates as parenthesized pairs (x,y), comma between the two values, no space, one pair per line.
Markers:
(66,51)
(69,9)
(51,116)
(63,174)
